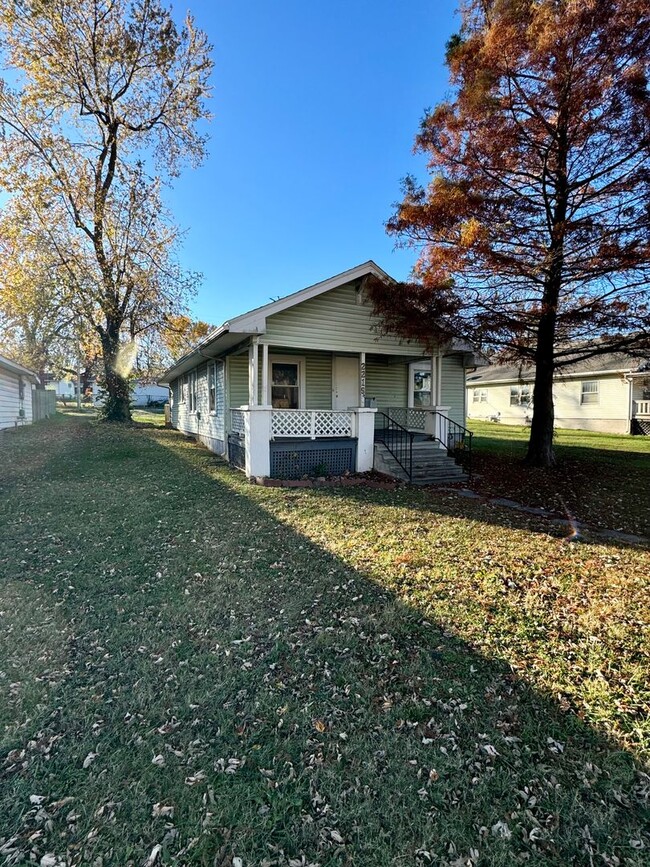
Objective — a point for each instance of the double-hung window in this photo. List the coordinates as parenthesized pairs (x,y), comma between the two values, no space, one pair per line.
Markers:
(192,391)
(479,395)
(421,388)
(520,395)
(212,387)
(589,392)
(285,385)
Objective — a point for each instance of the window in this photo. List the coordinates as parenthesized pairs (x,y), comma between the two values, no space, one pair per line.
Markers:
(589,392)
(421,388)
(216,383)
(520,395)
(212,387)
(183,389)
(285,385)
(421,392)
(479,395)
(21,389)
(192,391)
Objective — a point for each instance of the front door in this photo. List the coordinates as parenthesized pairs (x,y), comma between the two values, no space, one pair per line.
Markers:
(345,381)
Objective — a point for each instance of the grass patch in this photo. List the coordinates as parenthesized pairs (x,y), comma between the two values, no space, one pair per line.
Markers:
(601,479)
(200,670)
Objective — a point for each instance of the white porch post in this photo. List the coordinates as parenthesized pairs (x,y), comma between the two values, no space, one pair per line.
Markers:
(436,423)
(265,374)
(253,372)
(365,418)
(362,379)
(257,432)
(438,386)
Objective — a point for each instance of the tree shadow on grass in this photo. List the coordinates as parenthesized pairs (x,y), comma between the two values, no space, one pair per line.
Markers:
(272,701)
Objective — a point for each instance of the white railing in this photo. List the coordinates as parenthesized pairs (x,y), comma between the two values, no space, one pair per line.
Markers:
(641,407)
(237,421)
(408,417)
(312,423)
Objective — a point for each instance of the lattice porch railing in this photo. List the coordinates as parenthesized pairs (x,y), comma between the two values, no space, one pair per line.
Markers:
(312,423)
(408,417)
(237,422)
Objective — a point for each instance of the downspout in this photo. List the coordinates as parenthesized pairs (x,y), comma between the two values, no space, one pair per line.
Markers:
(630,402)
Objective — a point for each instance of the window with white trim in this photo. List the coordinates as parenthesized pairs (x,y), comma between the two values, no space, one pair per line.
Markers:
(421,384)
(182,397)
(21,388)
(212,387)
(589,392)
(520,395)
(285,385)
(479,395)
(216,388)
(192,391)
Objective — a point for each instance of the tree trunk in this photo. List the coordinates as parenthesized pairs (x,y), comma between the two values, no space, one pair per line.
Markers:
(540,445)
(117,400)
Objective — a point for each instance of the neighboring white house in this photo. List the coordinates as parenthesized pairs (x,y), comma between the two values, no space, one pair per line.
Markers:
(16,384)
(608,393)
(304,383)
(143,394)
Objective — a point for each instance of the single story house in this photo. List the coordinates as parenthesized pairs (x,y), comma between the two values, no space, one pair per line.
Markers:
(16,383)
(608,393)
(310,384)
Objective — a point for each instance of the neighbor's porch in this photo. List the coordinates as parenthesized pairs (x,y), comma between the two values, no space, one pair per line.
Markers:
(319,412)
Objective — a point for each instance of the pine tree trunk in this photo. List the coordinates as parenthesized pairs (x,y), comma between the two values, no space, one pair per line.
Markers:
(117,401)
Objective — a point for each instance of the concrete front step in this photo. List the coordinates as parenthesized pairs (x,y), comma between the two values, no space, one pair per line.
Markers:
(431,465)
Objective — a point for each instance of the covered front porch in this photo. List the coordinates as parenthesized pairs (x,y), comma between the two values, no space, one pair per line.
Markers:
(320,413)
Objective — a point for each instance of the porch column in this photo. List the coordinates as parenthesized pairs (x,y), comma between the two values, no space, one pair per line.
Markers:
(265,374)
(365,417)
(253,372)
(362,379)
(436,423)
(257,436)
(436,387)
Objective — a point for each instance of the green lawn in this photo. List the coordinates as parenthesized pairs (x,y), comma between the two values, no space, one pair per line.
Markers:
(601,479)
(197,671)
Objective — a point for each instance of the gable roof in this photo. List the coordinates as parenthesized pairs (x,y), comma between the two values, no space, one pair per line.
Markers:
(254,321)
(14,367)
(610,362)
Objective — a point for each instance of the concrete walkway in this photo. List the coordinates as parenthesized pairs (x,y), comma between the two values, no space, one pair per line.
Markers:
(576,528)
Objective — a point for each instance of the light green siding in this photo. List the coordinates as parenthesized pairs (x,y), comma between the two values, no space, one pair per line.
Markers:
(318,380)
(334,320)
(453,387)
(387,383)
(238,380)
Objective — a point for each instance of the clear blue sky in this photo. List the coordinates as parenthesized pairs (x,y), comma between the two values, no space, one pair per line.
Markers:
(316,104)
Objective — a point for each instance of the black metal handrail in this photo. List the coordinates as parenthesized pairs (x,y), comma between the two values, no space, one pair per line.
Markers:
(397,439)
(458,441)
